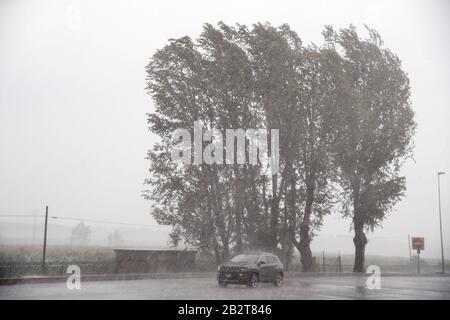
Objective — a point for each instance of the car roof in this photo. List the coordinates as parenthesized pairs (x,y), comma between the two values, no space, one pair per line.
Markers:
(259,253)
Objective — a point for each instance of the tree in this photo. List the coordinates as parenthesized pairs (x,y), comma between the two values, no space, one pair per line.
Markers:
(315,119)
(274,54)
(221,82)
(374,133)
(208,86)
(81,234)
(115,239)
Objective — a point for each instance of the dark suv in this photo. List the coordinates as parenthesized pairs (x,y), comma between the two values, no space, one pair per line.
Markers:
(250,269)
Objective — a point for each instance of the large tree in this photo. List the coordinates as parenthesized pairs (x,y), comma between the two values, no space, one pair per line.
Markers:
(275,56)
(315,119)
(230,78)
(374,134)
(209,82)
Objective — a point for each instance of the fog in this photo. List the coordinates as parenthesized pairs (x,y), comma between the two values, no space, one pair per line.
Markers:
(73,131)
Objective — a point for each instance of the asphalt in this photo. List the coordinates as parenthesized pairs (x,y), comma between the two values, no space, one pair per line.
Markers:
(313,287)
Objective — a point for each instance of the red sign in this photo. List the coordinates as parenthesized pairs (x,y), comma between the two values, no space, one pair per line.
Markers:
(418,243)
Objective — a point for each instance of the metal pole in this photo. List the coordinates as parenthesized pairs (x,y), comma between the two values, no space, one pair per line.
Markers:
(440,221)
(418,261)
(409,247)
(45,240)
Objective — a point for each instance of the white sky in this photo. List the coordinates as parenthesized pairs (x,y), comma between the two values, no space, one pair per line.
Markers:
(73,130)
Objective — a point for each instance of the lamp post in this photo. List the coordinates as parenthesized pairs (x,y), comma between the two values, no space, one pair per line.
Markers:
(440,220)
(45,242)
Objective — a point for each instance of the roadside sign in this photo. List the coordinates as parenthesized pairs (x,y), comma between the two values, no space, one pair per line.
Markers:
(418,243)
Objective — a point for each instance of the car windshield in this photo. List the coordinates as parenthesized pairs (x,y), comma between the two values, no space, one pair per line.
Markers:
(247,258)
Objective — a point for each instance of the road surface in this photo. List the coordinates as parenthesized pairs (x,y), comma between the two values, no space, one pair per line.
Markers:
(207,288)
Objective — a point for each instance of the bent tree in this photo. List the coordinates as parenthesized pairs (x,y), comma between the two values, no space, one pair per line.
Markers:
(374,134)
(319,100)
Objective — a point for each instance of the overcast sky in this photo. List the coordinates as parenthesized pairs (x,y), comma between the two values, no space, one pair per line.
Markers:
(73,130)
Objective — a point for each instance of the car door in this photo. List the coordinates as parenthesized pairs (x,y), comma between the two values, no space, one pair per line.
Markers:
(271,267)
(263,268)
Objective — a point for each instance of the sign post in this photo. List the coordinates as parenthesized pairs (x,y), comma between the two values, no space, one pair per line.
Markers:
(418,243)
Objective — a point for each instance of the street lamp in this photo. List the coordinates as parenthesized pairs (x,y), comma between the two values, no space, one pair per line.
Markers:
(440,219)
(45,242)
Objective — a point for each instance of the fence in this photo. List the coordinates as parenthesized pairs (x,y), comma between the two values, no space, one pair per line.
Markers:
(326,262)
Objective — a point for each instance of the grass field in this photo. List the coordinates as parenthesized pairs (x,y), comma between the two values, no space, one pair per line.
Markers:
(66,253)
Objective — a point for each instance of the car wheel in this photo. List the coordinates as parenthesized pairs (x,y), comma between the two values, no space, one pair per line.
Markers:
(278,280)
(222,284)
(253,282)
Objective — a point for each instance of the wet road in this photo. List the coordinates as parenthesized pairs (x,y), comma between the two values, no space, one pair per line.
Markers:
(204,288)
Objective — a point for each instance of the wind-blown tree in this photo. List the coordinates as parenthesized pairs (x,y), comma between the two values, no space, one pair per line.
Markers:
(231,78)
(318,103)
(374,133)
(208,82)
(180,192)
(275,54)
(229,88)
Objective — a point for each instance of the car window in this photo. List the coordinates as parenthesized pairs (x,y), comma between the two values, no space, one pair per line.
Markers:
(246,258)
(271,259)
(263,258)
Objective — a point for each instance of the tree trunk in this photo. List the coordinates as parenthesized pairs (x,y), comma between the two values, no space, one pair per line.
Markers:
(304,249)
(360,242)
(251,205)
(219,215)
(305,239)
(287,256)
(274,215)
(239,191)
(291,216)
(306,257)
(217,252)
